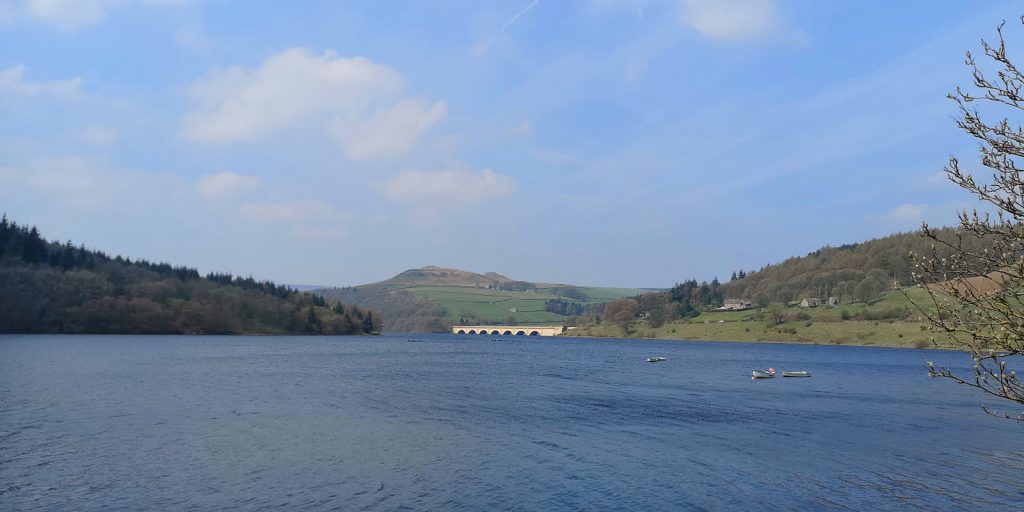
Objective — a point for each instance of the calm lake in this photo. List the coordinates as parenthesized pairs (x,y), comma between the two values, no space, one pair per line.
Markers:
(442,422)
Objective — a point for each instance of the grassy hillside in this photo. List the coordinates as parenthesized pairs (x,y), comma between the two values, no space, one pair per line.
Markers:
(889,320)
(489,305)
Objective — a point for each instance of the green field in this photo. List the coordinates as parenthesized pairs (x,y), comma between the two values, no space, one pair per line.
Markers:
(821,325)
(498,305)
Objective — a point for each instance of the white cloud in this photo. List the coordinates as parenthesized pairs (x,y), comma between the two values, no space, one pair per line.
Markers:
(390,131)
(244,104)
(13,84)
(99,135)
(448,189)
(215,186)
(906,213)
(731,20)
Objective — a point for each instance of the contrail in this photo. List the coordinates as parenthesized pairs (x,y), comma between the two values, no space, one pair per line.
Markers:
(518,15)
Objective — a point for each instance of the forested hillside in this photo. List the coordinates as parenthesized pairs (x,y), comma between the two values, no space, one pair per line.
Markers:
(684,300)
(60,288)
(851,272)
(404,311)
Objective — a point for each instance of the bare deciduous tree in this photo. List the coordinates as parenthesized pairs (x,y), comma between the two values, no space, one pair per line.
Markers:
(977,289)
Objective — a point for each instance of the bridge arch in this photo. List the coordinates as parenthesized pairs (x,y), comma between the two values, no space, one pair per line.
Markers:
(534,333)
(520,333)
(496,332)
(483,331)
(507,333)
(461,331)
(471,331)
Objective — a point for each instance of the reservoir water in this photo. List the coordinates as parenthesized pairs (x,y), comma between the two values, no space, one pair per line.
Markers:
(442,422)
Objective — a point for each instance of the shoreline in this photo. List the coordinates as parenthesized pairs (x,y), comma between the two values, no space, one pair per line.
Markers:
(761,342)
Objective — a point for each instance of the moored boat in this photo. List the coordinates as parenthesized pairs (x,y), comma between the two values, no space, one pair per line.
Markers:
(656,359)
(796,374)
(763,374)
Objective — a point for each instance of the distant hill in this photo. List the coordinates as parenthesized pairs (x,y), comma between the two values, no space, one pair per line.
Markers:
(431,299)
(437,276)
(48,287)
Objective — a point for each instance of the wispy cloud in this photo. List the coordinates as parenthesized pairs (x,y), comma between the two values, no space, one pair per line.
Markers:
(310,220)
(906,213)
(448,189)
(511,21)
(73,14)
(390,131)
(216,186)
(87,184)
(731,20)
(99,135)
(68,14)
(13,84)
(484,45)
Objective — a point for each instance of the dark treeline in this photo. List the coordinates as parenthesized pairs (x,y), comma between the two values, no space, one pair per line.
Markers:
(569,292)
(49,287)
(572,308)
(404,311)
(850,272)
(516,286)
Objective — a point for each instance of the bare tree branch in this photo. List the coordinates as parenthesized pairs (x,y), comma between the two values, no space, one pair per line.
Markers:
(976,297)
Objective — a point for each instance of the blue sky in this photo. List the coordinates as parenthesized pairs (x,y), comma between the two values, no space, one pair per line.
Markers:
(598,142)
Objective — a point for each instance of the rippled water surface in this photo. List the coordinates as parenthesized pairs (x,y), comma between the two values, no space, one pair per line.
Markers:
(488,423)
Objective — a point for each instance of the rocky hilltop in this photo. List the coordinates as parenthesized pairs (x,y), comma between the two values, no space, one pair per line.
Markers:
(439,276)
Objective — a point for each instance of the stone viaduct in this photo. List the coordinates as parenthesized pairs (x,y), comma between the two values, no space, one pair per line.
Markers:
(509,330)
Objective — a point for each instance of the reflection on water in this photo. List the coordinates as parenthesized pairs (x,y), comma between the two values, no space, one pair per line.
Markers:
(141,422)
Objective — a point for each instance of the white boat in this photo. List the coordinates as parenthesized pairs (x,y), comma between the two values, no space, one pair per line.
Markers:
(763,374)
(796,374)
(656,359)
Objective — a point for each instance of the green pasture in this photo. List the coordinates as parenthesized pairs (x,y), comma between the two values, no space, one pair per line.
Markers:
(490,305)
(497,305)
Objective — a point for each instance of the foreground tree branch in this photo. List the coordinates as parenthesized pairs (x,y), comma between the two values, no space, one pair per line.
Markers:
(975,279)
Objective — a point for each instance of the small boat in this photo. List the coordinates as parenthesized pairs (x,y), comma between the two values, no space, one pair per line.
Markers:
(763,374)
(656,359)
(796,374)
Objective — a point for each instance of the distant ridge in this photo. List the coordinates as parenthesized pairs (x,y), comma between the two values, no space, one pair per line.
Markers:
(440,276)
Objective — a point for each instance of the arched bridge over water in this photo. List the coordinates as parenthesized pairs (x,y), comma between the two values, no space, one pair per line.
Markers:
(509,330)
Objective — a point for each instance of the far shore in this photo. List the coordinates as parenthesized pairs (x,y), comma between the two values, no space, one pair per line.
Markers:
(861,333)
